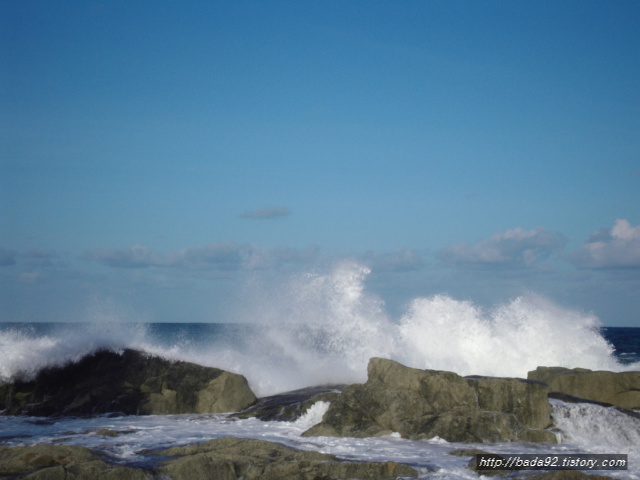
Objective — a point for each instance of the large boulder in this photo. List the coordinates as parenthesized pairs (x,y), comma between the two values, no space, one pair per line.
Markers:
(128,382)
(236,458)
(428,403)
(620,389)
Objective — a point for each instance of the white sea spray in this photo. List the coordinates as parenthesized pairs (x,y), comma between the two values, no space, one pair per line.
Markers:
(323,327)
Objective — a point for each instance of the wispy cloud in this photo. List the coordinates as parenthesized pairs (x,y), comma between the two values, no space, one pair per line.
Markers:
(219,256)
(137,256)
(266,213)
(513,248)
(609,248)
(279,257)
(400,260)
(39,258)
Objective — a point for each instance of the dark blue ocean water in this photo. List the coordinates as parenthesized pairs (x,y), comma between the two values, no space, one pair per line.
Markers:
(626,341)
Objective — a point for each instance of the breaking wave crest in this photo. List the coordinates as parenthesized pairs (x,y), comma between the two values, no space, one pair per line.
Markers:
(323,328)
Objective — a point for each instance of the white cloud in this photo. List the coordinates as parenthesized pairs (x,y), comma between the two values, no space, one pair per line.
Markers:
(218,256)
(513,248)
(618,247)
(137,256)
(262,258)
(400,260)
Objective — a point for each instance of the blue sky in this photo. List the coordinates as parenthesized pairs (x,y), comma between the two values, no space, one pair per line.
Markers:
(157,156)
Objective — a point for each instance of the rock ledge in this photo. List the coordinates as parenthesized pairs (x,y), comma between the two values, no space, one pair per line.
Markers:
(128,382)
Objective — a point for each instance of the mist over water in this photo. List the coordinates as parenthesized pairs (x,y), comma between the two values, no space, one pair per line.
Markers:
(319,328)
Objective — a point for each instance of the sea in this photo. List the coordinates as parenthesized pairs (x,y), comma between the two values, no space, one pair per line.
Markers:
(324,334)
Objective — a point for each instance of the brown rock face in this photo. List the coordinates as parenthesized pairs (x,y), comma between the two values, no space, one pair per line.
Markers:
(236,458)
(59,462)
(427,403)
(619,389)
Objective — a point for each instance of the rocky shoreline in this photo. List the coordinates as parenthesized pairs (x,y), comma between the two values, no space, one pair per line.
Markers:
(220,459)
(417,404)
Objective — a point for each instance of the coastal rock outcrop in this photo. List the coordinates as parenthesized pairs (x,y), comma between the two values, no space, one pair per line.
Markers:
(222,459)
(621,389)
(289,406)
(428,403)
(234,458)
(127,382)
(61,462)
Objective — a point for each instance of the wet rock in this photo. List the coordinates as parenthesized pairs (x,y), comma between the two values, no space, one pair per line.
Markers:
(58,462)
(289,406)
(235,458)
(621,389)
(107,432)
(127,382)
(428,403)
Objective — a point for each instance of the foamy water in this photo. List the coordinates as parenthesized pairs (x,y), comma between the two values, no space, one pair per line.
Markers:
(577,424)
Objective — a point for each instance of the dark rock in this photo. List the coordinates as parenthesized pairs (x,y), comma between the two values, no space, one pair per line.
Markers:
(289,406)
(129,382)
(621,389)
(58,462)
(428,403)
(107,432)
(235,458)
(467,452)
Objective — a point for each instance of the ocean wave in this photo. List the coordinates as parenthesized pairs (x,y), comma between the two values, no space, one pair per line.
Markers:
(323,328)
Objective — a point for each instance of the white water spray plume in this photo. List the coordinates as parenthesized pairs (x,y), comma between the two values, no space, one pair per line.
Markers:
(317,329)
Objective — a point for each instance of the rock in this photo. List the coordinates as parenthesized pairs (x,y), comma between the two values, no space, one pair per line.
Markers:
(620,389)
(107,432)
(289,406)
(235,458)
(467,452)
(129,382)
(59,462)
(565,475)
(222,459)
(427,403)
